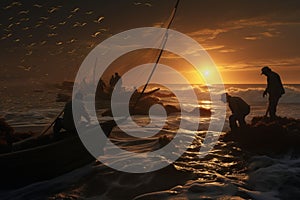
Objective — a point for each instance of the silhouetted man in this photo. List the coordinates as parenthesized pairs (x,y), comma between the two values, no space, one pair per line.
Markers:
(102,85)
(68,120)
(239,108)
(274,89)
(117,79)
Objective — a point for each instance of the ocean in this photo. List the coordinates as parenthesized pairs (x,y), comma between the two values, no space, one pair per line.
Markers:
(225,173)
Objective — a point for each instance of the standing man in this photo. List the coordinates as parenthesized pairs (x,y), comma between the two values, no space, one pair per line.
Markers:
(274,89)
(239,108)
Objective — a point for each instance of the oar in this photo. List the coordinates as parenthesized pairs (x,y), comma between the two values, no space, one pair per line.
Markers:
(38,135)
(53,122)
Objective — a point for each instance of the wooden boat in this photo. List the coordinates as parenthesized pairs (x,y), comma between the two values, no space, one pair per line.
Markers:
(51,159)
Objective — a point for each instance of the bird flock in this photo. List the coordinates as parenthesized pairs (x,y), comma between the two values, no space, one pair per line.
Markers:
(55,29)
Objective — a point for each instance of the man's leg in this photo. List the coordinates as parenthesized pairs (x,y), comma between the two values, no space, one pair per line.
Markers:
(232,122)
(241,120)
(273,101)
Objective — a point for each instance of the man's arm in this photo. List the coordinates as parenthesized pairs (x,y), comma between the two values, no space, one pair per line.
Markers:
(267,88)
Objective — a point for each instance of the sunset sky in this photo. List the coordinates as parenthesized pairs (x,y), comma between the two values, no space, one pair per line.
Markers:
(47,41)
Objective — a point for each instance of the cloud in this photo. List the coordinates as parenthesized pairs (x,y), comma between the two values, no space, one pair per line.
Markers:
(251,38)
(291,63)
(265,23)
(227,50)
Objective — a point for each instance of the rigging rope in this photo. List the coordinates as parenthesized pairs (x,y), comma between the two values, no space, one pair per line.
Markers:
(160,53)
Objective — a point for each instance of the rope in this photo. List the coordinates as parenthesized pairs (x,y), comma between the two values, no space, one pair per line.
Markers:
(160,53)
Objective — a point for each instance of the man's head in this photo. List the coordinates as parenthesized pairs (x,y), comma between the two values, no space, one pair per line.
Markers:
(265,70)
(224,97)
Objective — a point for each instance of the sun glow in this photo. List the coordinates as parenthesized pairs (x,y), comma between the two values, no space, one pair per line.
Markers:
(206,73)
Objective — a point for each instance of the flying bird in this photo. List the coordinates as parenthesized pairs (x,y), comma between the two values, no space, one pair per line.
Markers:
(37,6)
(79,24)
(75,10)
(52,27)
(71,41)
(44,18)
(99,19)
(23,12)
(89,12)
(52,34)
(62,23)
(26,68)
(96,34)
(72,51)
(53,9)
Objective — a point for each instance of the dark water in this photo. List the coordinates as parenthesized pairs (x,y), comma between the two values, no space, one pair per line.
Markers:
(225,173)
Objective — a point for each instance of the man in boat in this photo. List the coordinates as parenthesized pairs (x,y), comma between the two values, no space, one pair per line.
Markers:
(102,85)
(274,89)
(67,122)
(239,108)
(117,79)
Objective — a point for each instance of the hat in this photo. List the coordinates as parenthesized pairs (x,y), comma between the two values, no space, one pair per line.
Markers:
(265,69)
(224,97)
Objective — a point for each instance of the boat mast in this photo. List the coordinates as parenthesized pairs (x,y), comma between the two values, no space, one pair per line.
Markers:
(160,53)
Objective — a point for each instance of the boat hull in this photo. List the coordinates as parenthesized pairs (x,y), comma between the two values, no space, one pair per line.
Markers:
(24,167)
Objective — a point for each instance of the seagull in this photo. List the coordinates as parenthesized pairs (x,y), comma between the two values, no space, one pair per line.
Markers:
(53,9)
(99,19)
(29,53)
(44,18)
(79,24)
(26,68)
(6,36)
(37,5)
(72,51)
(52,27)
(75,10)
(31,45)
(15,3)
(96,34)
(52,34)
(71,41)
(23,12)
(24,19)
(43,42)
(62,23)
(59,43)
(89,12)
